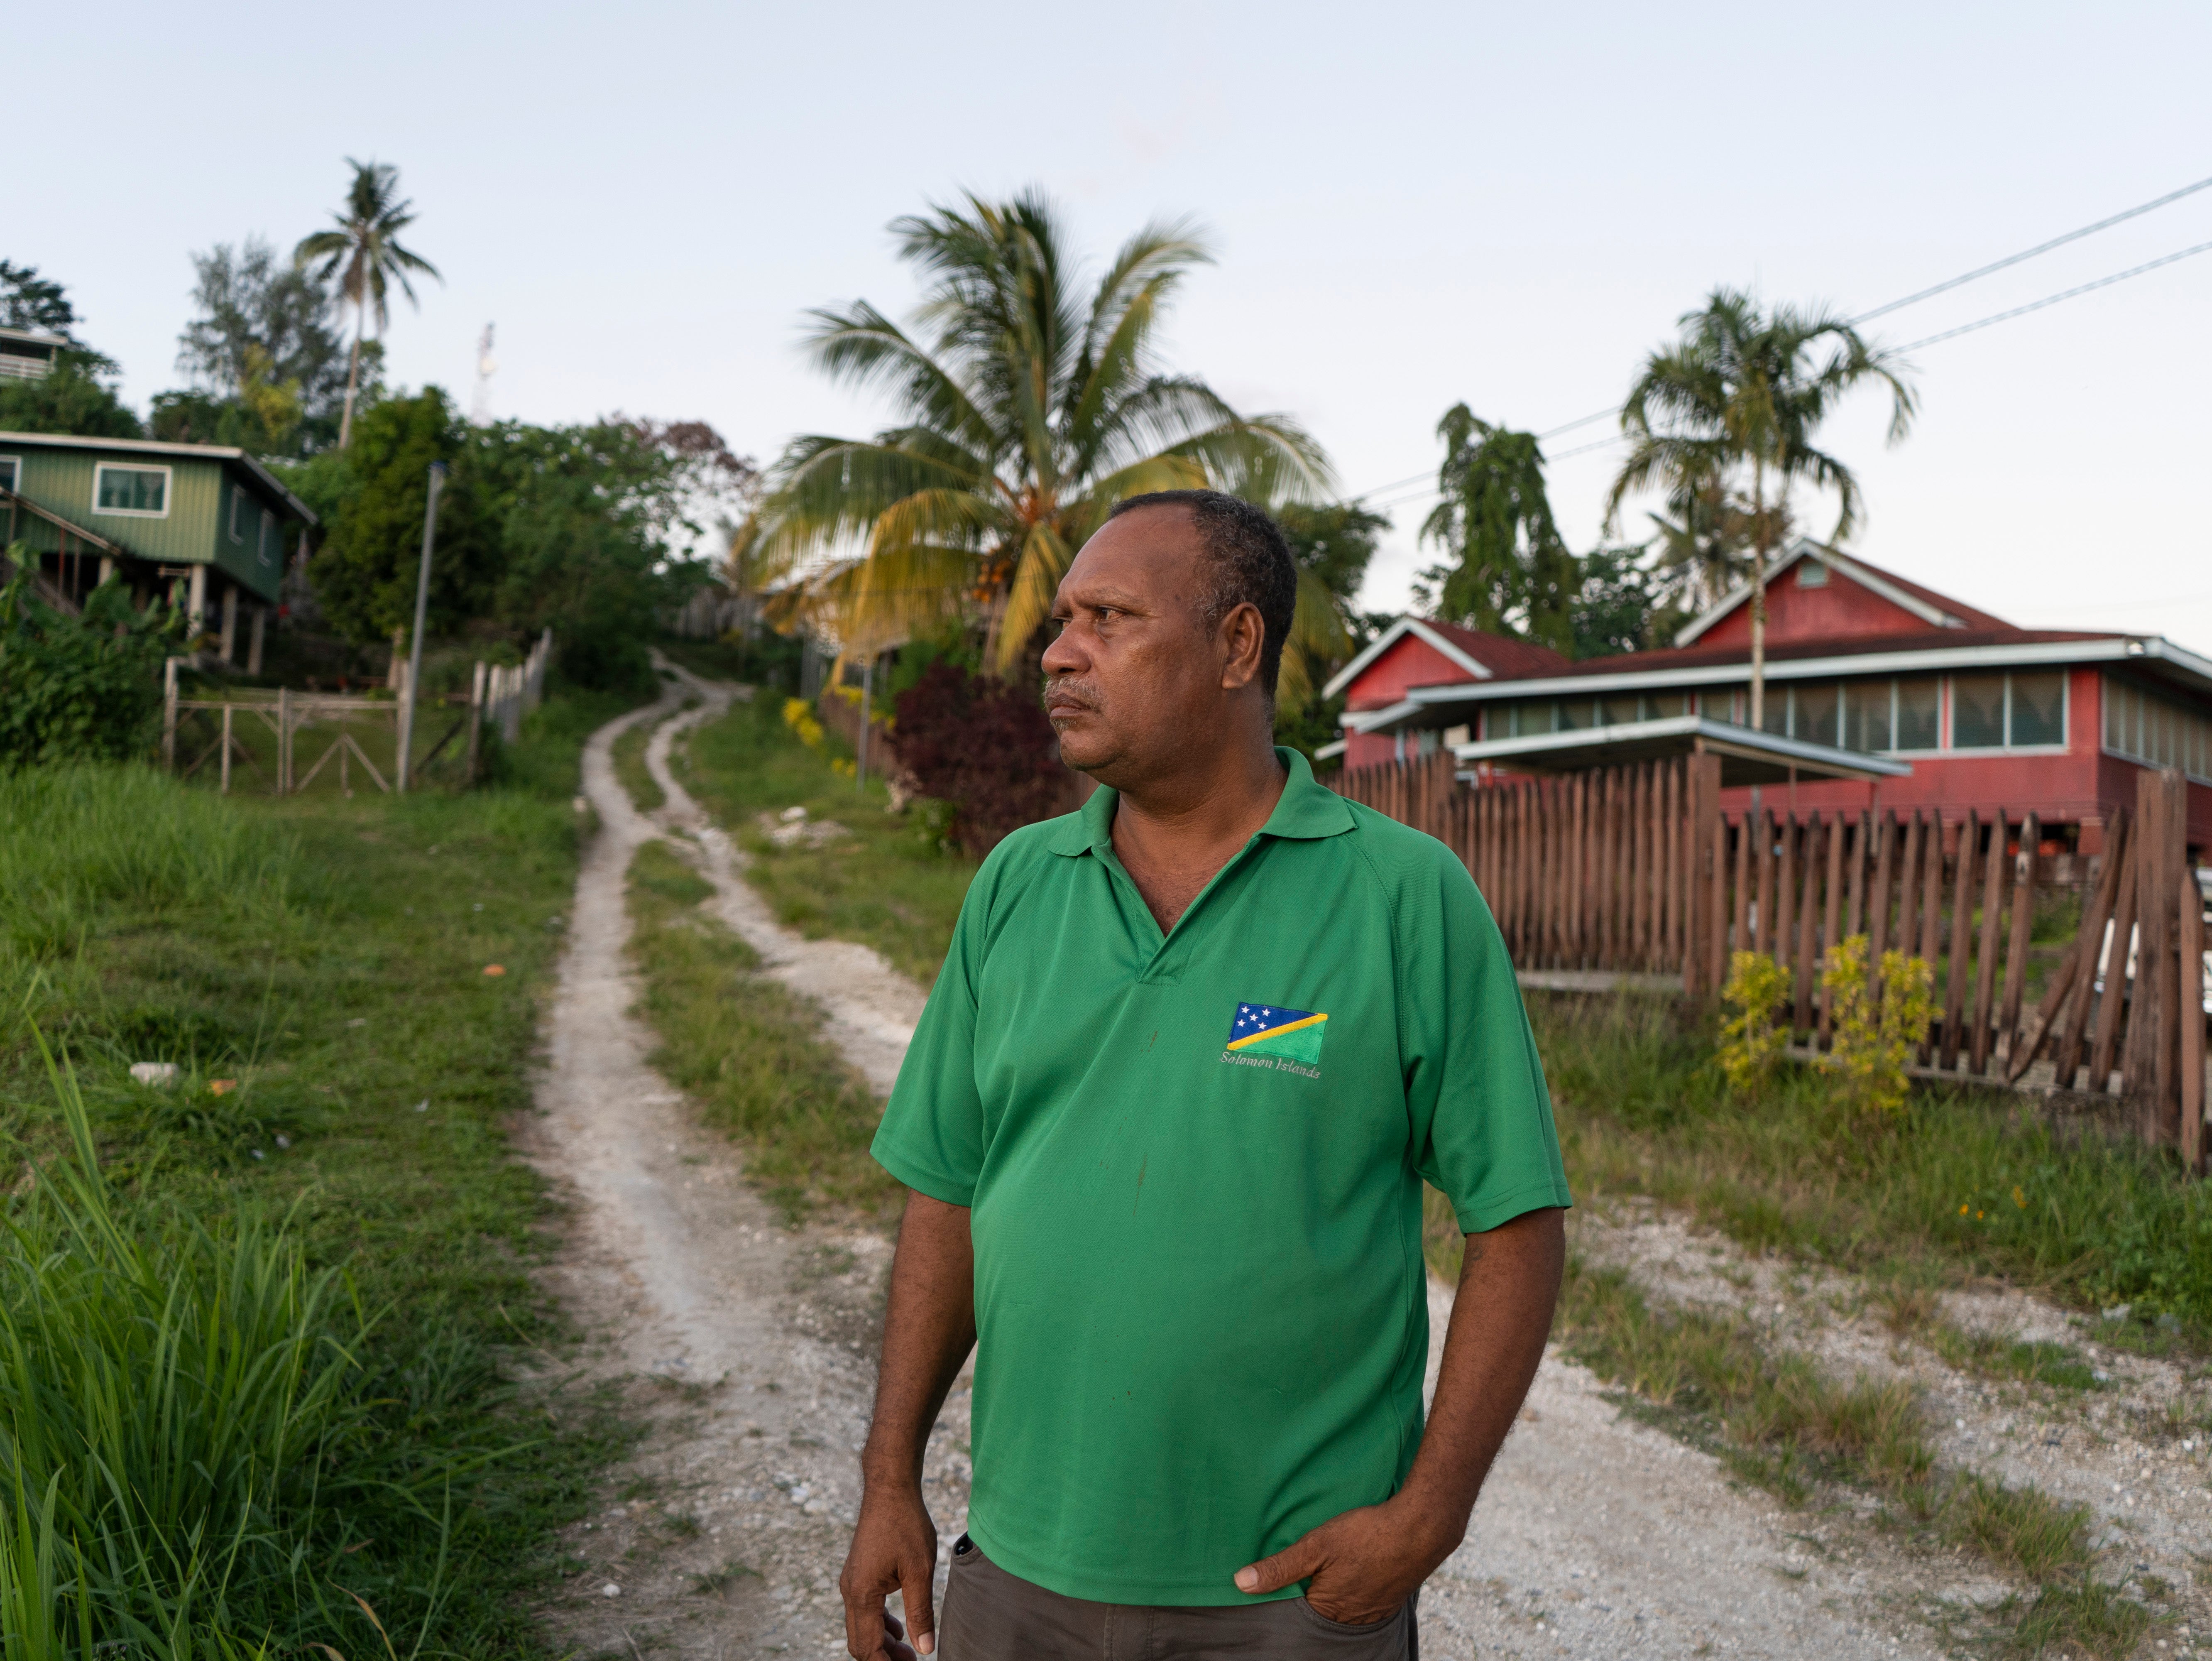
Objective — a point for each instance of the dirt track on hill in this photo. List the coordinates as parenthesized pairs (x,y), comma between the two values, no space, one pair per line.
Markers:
(748,1345)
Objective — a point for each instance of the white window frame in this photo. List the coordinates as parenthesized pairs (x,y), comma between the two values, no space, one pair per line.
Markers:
(15,467)
(169,489)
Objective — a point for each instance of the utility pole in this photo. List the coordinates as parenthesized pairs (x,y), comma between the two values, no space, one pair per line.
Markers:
(867,702)
(414,648)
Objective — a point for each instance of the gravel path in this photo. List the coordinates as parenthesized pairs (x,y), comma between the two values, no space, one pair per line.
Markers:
(748,1346)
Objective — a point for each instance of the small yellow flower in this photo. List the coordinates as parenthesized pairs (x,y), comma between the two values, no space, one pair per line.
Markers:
(1979,1215)
(2020,1199)
(1963,1210)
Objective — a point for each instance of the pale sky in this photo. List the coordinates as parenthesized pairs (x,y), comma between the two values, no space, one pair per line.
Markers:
(1411,204)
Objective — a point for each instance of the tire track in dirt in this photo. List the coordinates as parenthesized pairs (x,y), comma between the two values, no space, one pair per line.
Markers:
(748,1346)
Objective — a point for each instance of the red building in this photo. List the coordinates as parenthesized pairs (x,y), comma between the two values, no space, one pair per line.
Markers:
(1992,718)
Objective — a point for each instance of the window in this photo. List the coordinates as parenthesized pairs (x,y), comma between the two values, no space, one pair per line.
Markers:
(11,469)
(1774,714)
(1977,712)
(1867,712)
(1574,714)
(267,537)
(1814,707)
(2154,728)
(237,511)
(1811,573)
(1619,710)
(2037,712)
(141,491)
(1917,723)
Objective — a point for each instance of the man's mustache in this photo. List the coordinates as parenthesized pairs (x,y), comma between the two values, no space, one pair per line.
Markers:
(1068,690)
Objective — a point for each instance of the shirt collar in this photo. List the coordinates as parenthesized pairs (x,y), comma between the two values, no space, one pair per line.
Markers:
(1306,812)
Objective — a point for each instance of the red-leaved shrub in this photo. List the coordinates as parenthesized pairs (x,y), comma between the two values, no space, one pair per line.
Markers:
(977,743)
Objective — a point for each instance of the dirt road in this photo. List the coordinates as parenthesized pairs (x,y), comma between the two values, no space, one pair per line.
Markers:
(750,1345)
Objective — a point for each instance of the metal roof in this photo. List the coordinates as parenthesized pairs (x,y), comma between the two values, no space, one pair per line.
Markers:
(1936,649)
(158,446)
(1747,755)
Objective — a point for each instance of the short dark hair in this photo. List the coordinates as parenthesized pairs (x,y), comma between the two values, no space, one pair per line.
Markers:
(1250,563)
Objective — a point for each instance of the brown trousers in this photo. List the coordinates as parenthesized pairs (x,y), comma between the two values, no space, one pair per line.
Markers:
(992,1615)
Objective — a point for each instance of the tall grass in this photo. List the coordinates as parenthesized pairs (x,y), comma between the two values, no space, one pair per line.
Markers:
(80,841)
(182,1410)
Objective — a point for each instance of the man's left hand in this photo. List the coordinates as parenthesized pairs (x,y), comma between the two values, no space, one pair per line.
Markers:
(1360,1567)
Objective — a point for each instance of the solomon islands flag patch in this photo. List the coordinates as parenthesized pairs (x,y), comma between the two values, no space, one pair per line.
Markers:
(1291,1035)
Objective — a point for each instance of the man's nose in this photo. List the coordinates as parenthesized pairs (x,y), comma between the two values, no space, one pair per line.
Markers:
(1060,656)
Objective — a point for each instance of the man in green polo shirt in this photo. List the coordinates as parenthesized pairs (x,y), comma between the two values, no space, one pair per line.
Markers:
(1165,1123)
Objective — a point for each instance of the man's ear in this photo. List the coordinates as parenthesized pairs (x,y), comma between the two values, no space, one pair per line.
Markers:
(1243,638)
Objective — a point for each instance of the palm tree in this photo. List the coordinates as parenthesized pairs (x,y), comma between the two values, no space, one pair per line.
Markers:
(1704,550)
(365,255)
(1736,402)
(1030,409)
(1513,573)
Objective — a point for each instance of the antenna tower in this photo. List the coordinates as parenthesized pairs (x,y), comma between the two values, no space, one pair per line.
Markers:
(487,365)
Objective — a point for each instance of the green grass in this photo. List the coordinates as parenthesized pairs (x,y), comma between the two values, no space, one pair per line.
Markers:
(881,885)
(630,770)
(337,1245)
(1967,1183)
(746,1050)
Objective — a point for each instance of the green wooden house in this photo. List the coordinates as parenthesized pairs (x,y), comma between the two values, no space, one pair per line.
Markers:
(208,525)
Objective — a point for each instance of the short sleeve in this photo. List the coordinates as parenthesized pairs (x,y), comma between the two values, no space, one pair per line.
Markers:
(1481,1117)
(931,1134)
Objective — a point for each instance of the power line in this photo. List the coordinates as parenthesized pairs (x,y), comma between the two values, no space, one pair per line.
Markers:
(2030,253)
(1916,297)
(2053,299)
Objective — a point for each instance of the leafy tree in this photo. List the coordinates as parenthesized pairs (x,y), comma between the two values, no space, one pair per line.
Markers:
(365,258)
(78,688)
(266,364)
(372,499)
(1032,406)
(1333,544)
(1734,405)
(1618,606)
(77,395)
(28,300)
(1509,571)
(585,518)
(1335,541)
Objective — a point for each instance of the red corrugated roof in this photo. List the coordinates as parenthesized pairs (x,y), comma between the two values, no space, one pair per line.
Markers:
(1504,657)
(1720,657)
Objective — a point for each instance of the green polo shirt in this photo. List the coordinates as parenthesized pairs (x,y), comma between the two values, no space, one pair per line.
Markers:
(1195,1166)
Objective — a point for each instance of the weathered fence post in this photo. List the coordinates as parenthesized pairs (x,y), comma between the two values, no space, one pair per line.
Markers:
(169,714)
(476,717)
(224,789)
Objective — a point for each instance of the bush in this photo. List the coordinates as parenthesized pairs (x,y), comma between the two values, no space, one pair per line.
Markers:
(1878,1023)
(1750,1041)
(979,743)
(82,688)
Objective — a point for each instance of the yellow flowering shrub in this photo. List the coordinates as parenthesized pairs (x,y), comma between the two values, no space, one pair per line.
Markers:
(1878,1019)
(799,715)
(1751,1040)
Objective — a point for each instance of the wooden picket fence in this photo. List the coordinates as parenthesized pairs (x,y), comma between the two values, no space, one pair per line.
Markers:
(1590,871)
(1636,870)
